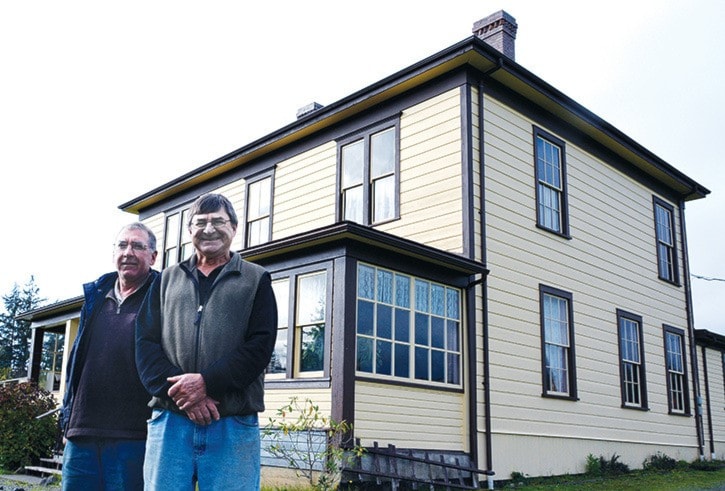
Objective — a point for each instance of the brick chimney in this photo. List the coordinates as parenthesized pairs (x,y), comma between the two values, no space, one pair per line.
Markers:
(498,30)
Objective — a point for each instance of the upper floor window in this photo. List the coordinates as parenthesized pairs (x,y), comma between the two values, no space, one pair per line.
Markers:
(675,361)
(665,233)
(407,327)
(259,211)
(369,176)
(631,360)
(177,240)
(302,346)
(551,190)
(557,342)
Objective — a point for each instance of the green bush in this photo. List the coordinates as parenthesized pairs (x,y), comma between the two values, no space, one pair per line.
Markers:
(24,439)
(603,467)
(659,462)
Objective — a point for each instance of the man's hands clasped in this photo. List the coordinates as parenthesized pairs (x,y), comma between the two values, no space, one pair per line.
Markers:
(188,391)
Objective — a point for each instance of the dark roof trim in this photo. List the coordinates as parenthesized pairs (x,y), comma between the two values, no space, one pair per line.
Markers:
(52,311)
(472,52)
(369,236)
(710,339)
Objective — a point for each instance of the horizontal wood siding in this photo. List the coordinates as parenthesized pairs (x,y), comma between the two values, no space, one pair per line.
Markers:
(274,399)
(410,417)
(609,263)
(715,389)
(304,191)
(430,174)
(156,224)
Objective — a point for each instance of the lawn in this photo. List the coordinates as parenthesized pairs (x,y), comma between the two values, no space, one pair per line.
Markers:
(675,480)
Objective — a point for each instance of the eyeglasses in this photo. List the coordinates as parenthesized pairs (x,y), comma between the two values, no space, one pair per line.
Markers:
(215,223)
(135,246)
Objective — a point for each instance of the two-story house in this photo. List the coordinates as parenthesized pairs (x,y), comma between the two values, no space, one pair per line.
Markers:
(467,261)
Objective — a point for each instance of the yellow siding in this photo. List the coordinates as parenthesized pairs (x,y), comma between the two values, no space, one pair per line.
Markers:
(610,262)
(430,174)
(274,399)
(410,417)
(304,191)
(156,224)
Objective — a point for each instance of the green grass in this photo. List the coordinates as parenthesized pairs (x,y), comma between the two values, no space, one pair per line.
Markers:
(675,480)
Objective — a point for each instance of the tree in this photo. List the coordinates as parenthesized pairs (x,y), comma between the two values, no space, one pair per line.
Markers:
(15,334)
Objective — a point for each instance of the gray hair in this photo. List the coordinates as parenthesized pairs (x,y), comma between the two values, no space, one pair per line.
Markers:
(141,226)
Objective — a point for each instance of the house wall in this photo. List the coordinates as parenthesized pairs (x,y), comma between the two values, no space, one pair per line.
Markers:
(610,262)
(712,386)
(410,417)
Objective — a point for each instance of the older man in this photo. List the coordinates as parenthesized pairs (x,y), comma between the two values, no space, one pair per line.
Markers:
(204,336)
(105,405)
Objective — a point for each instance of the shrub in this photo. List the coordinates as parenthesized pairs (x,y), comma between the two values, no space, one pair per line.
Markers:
(659,462)
(24,439)
(593,467)
(602,467)
(294,440)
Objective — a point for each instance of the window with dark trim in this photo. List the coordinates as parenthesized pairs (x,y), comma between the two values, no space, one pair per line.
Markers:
(631,360)
(177,240)
(407,328)
(369,175)
(676,365)
(258,228)
(664,216)
(552,212)
(303,319)
(557,343)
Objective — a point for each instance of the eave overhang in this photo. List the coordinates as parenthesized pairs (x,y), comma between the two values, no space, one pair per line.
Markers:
(471,53)
(52,314)
(369,237)
(703,337)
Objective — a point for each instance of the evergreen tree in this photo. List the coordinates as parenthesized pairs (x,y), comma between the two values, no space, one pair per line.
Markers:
(15,334)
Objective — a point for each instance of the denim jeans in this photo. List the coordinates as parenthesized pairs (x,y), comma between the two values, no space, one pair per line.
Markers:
(224,455)
(103,464)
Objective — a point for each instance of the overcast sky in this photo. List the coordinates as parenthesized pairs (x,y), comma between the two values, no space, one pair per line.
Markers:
(103,101)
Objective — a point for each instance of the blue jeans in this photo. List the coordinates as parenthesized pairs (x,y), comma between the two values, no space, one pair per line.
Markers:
(224,455)
(103,464)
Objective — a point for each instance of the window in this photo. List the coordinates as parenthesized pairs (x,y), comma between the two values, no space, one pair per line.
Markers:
(302,320)
(407,328)
(557,335)
(369,176)
(177,240)
(675,361)
(259,211)
(665,233)
(551,193)
(631,360)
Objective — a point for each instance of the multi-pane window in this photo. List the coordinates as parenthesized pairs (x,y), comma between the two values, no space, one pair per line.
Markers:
(665,232)
(551,193)
(631,360)
(278,363)
(369,176)
(301,325)
(675,362)
(259,206)
(177,240)
(407,327)
(557,332)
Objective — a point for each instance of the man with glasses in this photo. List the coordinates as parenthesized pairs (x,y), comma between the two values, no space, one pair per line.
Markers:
(105,407)
(204,336)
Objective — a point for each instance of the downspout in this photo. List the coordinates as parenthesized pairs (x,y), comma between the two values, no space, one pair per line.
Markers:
(706,380)
(488,441)
(691,330)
